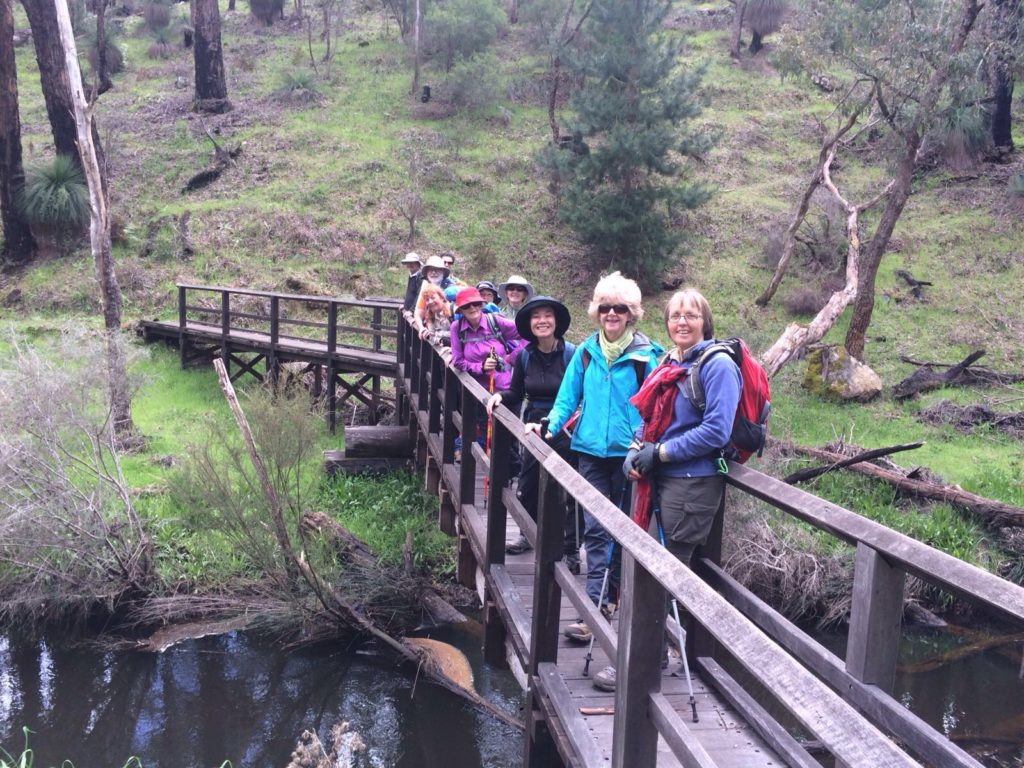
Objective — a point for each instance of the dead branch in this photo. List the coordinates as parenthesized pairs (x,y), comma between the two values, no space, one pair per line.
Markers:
(924,379)
(914,284)
(994,514)
(222,160)
(976,374)
(821,171)
(812,472)
(797,337)
(186,250)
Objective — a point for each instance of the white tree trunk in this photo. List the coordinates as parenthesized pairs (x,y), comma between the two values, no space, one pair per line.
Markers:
(99,231)
(797,336)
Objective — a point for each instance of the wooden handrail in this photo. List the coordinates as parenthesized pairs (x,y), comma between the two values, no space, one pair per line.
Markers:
(394,306)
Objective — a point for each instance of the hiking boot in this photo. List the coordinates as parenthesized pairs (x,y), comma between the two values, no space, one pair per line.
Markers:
(578,631)
(572,562)
(605,680)
(608,610)
(518,546)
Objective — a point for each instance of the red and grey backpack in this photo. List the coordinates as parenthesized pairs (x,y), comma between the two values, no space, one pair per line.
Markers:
(750,427)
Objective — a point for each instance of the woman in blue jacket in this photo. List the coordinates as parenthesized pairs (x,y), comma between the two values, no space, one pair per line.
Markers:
(605,371)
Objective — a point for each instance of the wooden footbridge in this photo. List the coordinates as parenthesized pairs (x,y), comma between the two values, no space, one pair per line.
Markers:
(740,651)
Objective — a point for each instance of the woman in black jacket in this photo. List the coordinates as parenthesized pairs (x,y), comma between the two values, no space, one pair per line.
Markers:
(536,376)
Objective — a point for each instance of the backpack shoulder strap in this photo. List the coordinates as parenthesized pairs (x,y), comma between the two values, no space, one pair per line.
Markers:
(693,387)
(568,348)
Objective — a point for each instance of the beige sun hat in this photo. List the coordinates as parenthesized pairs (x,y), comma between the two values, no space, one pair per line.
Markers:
(436,262)
(412,258)
(516,280)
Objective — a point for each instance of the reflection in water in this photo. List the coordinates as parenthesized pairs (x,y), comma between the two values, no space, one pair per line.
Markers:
(235,698)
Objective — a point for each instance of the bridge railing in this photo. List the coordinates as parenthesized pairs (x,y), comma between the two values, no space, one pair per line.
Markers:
(845,705)
(334,335)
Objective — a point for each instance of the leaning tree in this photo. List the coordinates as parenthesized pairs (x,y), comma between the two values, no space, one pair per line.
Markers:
(99,225)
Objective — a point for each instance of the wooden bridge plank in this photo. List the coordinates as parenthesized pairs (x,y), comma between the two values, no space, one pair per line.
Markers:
(759,719)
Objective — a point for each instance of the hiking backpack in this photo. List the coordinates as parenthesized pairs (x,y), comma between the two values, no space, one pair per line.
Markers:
(750,426)
(567,349)
(493,332)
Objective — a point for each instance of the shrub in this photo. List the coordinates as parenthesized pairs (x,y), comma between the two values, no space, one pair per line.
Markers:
(266,10)
(1016,185)
(476,82)
(298,86)
(55,196)
(157,16)
(961,135)
(460,28)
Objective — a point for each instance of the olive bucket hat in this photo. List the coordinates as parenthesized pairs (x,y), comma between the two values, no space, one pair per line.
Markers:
(562,317)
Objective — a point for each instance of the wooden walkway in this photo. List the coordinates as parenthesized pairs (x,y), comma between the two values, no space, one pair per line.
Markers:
(721,731)
(245,328)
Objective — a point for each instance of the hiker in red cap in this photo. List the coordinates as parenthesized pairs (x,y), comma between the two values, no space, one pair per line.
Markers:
(483,344)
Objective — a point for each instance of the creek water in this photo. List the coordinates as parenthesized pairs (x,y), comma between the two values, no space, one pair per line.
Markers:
(238,698)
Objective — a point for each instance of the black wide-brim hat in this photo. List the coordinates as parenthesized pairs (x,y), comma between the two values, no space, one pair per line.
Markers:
(562,317)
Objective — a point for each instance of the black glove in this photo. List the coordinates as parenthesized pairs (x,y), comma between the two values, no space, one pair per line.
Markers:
(646,458)
(627,465)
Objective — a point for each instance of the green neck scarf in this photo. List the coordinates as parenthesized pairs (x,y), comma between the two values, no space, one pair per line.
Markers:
(613,349)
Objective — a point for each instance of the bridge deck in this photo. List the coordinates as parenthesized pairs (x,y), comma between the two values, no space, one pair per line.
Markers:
(356,359)
(728,740)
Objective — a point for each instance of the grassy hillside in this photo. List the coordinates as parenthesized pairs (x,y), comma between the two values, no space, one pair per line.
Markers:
(311,206)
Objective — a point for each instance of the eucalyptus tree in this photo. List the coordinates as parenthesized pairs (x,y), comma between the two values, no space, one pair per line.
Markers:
(913,55)
(211,86)
(18,244)
(1006,44)
(625,174)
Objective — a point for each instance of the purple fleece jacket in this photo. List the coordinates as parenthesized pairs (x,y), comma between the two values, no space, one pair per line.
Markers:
(469,355)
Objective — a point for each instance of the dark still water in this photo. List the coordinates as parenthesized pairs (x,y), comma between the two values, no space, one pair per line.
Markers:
(236,698)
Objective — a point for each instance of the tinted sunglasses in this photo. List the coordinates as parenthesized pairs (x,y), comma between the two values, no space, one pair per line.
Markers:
(472,304)
(620,309)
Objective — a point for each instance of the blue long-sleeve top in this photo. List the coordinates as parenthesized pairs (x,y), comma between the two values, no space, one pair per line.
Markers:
(694,440)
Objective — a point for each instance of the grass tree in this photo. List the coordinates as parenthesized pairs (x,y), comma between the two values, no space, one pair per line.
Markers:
(624,176)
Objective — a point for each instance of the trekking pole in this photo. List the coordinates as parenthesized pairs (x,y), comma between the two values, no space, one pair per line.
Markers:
(604,585)
(685,666)
(490,422)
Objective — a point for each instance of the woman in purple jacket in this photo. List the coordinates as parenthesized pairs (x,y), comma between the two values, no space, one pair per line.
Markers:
(483,345)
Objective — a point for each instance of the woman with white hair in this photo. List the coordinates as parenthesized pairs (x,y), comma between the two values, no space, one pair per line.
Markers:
(605,371)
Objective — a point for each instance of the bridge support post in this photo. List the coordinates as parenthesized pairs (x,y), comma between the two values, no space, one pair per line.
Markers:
(875,617)
(465,566)
(638,667)
(494,627)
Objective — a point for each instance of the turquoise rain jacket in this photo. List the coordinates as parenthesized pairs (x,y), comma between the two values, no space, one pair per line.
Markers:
(607,419)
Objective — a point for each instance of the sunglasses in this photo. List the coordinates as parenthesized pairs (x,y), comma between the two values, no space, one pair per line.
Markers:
(620,309)
(476,304)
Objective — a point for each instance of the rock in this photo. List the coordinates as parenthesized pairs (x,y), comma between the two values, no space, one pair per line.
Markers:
(832,372)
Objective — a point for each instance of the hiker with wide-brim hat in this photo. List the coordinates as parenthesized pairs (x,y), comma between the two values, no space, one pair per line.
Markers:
(513,294)
(536,377)
(414,264)
(489,292)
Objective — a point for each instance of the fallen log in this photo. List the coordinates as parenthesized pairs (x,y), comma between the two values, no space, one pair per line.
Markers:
(437,609)
(335,463)
(924,379)
(875,453)
(992,513)
(377,442)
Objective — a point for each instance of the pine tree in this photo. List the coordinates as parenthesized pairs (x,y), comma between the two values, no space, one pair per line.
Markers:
(624,172)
